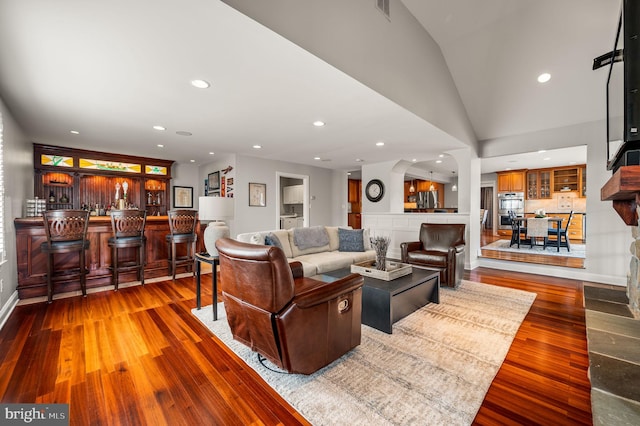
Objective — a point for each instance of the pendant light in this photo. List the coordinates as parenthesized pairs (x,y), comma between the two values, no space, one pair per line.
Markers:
(454,188)
(431,187)
(412,188)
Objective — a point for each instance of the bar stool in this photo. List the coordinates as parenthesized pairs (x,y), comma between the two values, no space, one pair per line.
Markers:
(66,232)
(182,224)
(128,232)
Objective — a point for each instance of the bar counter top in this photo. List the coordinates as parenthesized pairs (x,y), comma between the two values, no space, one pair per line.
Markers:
(32,264)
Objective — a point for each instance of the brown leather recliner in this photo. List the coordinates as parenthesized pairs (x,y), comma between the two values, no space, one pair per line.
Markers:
(441,247)
(299,324)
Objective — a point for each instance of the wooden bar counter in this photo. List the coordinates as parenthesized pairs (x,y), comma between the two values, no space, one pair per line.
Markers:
(32,264)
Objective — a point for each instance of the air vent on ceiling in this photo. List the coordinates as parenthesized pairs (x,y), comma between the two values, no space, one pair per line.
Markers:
(383,6)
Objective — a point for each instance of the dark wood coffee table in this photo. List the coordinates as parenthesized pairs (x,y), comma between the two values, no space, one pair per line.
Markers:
(385,302)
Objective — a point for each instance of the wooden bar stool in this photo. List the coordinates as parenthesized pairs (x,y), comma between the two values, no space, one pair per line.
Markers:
(182,224)
(66,233)
(128,232)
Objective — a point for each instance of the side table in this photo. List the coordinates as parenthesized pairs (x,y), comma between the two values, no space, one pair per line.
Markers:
(214,261)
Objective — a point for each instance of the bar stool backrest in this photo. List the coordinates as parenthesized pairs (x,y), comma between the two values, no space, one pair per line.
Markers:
(66,225)
(128,223)
(183,221)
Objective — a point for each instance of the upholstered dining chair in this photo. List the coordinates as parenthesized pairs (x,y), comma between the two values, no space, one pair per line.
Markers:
(128,232)
(66,232)
(299,324)
(182,225)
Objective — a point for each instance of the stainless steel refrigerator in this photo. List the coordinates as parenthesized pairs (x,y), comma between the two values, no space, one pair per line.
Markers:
(427,200)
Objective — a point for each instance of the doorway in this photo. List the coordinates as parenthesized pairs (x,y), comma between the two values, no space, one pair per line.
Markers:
(292,201)
(487,204)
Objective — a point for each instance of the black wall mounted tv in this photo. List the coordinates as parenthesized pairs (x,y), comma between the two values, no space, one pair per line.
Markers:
(623,90)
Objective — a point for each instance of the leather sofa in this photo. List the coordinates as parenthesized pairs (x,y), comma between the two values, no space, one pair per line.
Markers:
(315,260)
(441,246)
(299,324)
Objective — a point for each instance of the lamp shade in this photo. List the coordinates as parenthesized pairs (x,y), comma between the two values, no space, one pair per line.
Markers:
(214,210)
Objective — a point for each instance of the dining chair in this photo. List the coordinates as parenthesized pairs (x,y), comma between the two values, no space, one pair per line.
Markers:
(563,233)
(517,230)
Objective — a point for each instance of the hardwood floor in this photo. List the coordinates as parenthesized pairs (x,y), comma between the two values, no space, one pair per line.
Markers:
(138,356)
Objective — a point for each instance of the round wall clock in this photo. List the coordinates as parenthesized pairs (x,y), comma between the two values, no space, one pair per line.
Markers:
(374,190)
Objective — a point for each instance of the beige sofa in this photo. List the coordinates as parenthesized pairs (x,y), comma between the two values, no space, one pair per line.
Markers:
(315,260)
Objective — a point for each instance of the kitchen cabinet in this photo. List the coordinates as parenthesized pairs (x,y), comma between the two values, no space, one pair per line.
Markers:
(538,184)
(288,222)
(583,181)
(293,194)
(566,179)
(511,181)
(576,227)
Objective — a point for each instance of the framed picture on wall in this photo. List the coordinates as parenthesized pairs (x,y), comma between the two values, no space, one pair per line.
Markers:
(183,197)
(258,194)
(214,181)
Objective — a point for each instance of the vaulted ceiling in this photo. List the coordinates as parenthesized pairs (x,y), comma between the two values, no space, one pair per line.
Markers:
(112,70)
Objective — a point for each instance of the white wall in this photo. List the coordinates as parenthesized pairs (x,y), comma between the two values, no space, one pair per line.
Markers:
(397,57)
(18,184)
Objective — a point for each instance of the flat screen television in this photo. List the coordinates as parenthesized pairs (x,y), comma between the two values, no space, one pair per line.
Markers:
(623,99)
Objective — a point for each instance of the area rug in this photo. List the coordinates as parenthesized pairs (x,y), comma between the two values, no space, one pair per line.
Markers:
(435,368)
(577,250)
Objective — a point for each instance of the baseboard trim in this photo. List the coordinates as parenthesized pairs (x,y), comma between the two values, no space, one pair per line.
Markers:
(8,308)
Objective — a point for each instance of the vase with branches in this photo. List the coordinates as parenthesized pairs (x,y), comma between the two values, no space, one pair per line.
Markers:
(380,245)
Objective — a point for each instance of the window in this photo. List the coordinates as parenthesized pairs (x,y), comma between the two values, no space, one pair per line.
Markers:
(2,250)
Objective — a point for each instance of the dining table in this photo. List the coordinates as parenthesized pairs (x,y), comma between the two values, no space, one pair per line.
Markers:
(555,221)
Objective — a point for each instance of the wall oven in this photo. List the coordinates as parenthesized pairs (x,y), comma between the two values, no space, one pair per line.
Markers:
(509,201)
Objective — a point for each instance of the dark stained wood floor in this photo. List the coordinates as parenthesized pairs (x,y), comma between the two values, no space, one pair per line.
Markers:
(138,356)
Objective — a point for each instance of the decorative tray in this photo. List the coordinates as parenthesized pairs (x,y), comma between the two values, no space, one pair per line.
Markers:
(394,270)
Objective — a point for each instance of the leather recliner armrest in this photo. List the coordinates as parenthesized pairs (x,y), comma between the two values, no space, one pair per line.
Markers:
(296,269)
(329,291)
(409,246)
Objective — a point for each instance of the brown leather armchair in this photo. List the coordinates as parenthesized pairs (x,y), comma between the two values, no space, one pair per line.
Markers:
(441,247)
(299,324)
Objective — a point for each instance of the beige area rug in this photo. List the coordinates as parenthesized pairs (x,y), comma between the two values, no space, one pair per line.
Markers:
(435,368)
(577,250)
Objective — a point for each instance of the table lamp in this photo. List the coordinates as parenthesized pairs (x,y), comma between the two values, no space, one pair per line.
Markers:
(215,210)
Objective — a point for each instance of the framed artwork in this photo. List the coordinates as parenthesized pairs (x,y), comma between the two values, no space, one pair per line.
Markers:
(258,194)
(183,197)
(214,181)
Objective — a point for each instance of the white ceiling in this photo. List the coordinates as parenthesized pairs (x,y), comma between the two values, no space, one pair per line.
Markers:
(112,70)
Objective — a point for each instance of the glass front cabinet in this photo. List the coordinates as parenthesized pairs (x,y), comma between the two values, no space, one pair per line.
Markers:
(78,179)
(538,184)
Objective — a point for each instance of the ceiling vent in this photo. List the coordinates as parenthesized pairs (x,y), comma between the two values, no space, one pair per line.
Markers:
(383,6)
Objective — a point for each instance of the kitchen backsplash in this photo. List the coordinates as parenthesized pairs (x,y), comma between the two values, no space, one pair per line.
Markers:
(562,202)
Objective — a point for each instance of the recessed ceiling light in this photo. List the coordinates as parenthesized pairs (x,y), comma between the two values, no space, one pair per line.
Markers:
(160,145)
(508,168)
(159,128)
(348,173)
(441,155)
(359,160)
(319,123)
(414,160)
(316,158)
(438,161)
(257,146)
(211,153)
(379,143)
(541,151)
(544,77)
(183,133)
(74,132)
(192,161)
(200,84)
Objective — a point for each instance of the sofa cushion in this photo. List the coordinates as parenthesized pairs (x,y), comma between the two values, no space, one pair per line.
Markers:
(326,261)
(334,241)
(360,256)
(350,240)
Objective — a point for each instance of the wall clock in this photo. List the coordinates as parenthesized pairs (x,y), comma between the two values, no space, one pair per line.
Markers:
(374,190)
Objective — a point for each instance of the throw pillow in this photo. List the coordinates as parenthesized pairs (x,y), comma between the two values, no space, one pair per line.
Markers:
(350,239)
(272,240)
(257,239)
